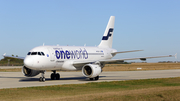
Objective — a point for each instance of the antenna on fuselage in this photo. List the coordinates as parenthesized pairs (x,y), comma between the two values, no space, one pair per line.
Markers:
(43,44)
(84,44)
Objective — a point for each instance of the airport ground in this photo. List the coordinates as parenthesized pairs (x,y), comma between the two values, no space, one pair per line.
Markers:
(114,84)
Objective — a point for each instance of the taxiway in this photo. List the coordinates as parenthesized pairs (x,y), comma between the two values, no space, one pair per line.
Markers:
(16,79)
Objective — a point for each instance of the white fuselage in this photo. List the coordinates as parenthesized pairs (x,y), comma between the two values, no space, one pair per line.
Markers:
(62,57)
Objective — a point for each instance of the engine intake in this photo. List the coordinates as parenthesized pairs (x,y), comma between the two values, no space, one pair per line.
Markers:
(91,70)
(29,72)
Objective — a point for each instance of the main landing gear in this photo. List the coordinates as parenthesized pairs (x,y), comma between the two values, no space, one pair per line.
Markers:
(95,78)
(55,76)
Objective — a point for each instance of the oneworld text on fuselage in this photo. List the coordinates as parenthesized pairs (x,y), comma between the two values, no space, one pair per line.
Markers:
(71,54)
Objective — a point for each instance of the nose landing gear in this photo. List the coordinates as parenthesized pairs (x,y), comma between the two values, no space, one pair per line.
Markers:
(42,78)
(54,76)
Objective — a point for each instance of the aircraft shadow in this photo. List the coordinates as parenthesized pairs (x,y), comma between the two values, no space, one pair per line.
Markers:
(11,77)
(82,78)
(48,79)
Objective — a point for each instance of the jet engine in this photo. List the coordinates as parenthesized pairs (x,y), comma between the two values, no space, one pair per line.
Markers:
(29,72)
(91,70)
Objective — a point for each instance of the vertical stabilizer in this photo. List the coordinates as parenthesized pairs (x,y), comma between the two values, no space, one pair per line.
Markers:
(107,39)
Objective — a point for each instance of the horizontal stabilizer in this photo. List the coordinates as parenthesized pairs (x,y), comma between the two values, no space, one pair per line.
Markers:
(4,55)
(114,53)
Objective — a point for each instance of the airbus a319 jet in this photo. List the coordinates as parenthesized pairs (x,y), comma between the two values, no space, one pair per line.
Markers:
(90,60)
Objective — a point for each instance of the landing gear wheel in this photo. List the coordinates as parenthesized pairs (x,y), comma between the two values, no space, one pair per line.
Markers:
(97,78)
(91,79)
(42,78)
(55,76)
(52,76)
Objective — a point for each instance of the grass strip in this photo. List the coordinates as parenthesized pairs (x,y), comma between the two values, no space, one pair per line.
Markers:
(148,89)
(11,70)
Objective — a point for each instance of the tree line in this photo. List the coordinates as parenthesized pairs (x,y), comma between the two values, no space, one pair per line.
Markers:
(7,61)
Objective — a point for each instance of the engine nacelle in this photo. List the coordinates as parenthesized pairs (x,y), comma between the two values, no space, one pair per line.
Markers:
(91,70)
(29,72)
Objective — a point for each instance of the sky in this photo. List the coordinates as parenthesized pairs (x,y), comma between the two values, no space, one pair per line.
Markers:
(149,25)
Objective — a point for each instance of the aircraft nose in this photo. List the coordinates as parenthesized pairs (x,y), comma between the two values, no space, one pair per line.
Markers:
(28,62)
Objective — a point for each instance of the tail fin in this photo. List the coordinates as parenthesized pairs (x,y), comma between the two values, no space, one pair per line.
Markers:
(107,39)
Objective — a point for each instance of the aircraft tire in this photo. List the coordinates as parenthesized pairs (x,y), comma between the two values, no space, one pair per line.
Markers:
(91,79)
(42,79)
(52,76)
(97,78)
(57,76)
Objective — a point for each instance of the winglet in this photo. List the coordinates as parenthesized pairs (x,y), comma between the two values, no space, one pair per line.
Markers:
(175,55)
(4,54)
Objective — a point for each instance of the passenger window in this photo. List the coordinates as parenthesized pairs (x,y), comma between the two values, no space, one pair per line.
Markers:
(29,53)
(34,53)
(39,53)
(42,53)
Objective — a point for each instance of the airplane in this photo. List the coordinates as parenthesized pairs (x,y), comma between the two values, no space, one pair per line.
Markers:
(90,60)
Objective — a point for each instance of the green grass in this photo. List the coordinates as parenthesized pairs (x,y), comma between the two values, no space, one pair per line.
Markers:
(149,89)
(11,70)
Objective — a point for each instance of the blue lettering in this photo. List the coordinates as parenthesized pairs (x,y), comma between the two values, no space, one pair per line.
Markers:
(85,54)
(67,54)
(77,54)
(62,53)
(72,54)
(57,54)
(80,54)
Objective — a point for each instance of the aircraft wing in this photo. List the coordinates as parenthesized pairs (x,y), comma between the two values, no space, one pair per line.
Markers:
(22,58)
(141,58)
(118,60)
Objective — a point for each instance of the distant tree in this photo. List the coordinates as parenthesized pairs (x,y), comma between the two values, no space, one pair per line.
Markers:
(16,55)
(13,61)
(12,55)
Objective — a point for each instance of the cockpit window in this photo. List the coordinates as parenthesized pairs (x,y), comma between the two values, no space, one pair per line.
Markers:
(39,53)
(29,53)
(33,53)
(42,53)
(36,53)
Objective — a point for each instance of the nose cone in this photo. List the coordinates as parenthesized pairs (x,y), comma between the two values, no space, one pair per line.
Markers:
(28,62)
